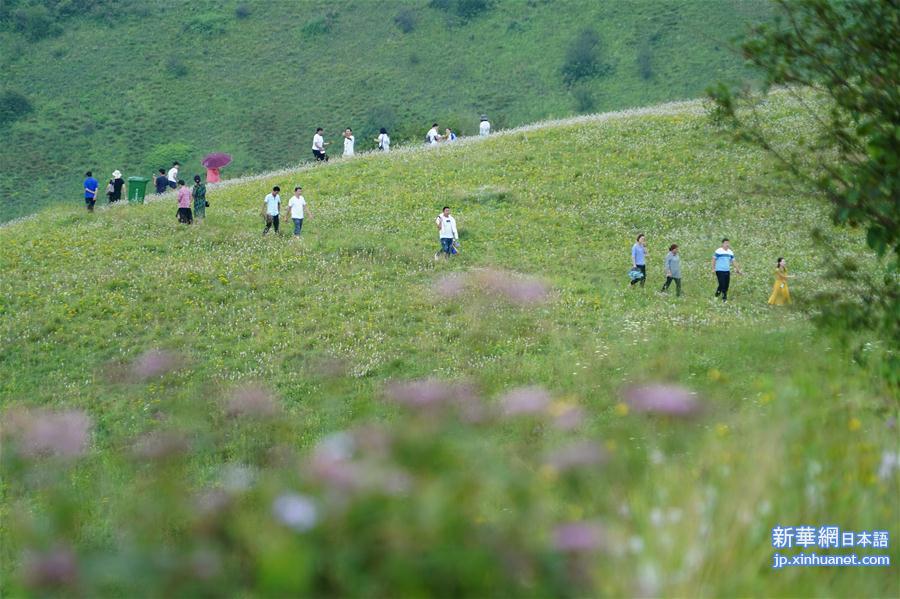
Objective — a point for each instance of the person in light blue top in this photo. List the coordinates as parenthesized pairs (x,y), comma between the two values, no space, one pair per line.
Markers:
(639,259)
(723,259)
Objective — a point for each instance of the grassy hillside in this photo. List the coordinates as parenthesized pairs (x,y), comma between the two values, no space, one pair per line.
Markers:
(133,86)
(792,431)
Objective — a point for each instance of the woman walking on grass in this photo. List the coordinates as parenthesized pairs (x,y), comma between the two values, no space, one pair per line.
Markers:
(781,295)
(639,259)
(673,270)
(184,203)
(199,194)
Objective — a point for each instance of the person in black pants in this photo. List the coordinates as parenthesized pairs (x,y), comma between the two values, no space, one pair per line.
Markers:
(723,259)
(639,258)
(271,209)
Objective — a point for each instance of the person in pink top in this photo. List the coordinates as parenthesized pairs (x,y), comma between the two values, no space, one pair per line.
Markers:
(184,203)
(212,175)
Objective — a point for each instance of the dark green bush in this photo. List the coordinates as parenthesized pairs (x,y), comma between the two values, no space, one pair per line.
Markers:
(405,20)
(583,58)
(13,106)
(176,67)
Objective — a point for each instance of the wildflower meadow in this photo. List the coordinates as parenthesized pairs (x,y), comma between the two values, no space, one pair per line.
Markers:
(204,411)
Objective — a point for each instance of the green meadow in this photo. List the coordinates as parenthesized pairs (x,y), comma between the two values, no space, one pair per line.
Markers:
(785,428)
(135,85)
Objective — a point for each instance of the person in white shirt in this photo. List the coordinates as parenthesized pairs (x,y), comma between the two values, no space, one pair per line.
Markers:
(172,176)
(433,137)
(384,142)
(349,140)
(271,209)
(484,128)
(446,226)
(319,145)
(449,135)
(297,204)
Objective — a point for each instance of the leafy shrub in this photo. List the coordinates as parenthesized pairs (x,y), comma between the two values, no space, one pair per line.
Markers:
(584,99)
(464,9)
(242,11)
(205,25)
(405,20)
(176,67)
(321,25)
(35,22)
(13,106)
(163,155)
(583,58)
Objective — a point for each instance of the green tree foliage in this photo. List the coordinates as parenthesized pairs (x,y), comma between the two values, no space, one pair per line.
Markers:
(464,9)
(583,58)
(13,106)
(848,54)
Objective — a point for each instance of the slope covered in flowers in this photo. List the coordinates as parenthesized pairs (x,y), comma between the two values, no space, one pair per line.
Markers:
(516,418)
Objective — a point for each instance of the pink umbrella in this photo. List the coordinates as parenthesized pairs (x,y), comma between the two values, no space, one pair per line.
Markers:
(213,162)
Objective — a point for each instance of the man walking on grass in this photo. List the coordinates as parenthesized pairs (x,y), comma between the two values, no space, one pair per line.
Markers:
(723,258)
(446,226)
(90,190)
(297,205)
(271,209)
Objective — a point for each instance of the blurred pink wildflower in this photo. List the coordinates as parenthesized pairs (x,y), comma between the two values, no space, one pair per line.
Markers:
(669,400)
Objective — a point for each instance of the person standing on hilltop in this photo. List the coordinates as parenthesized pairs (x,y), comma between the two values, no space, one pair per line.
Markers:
(672,265)
(781,295)
(161,182)
(446,226)
(723,259)
(433,137)
(173,175)
(349,141)
(319,145)
(271,209)
(639,259)
(199,195)
(184,204)
(484,127)
(91,186)
(383,141)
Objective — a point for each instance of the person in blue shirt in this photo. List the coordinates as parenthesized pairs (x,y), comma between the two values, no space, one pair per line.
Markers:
(639,259)
(161,182)
(723,259)
(90,190)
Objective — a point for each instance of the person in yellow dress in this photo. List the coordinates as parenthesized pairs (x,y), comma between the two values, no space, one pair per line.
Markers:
(781,295)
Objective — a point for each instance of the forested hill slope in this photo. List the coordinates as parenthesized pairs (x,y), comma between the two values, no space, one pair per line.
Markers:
(104,85)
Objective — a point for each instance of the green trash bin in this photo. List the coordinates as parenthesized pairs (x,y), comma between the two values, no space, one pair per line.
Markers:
(137,189)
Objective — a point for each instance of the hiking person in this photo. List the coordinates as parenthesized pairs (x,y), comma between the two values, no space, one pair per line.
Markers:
(199,195)
(449,135)
(118,183)
(161,182)
(484,127)
(433,137)
(446,226)
(318,147)
(109,191)
(172,176)
(297,206)
(781,295)
(672,265)
(184,204)
(723,259)
(91,186)
(271,209)
(349,141)
(383,141)
(639,259)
